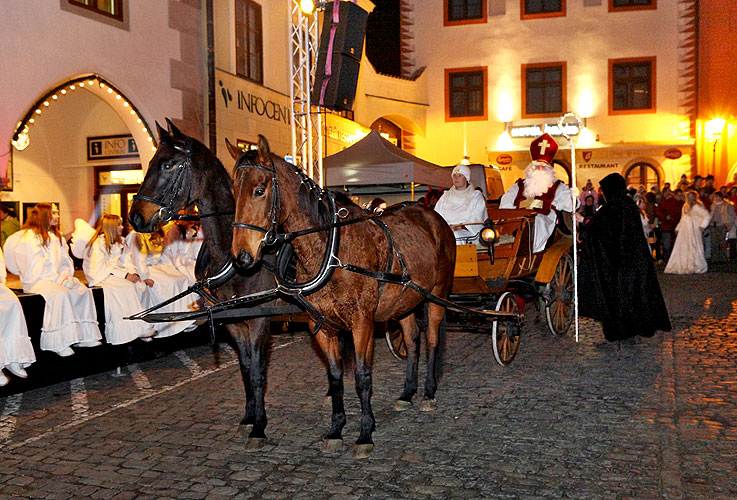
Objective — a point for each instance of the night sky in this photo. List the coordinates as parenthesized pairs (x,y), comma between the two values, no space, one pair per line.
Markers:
(382,37)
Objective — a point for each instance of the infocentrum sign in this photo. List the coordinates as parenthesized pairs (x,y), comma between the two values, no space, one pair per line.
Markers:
(547,128)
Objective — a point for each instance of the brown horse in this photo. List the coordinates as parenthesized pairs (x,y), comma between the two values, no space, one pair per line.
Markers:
(413,240)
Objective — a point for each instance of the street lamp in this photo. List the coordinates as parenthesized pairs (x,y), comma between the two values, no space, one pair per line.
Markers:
(714,134)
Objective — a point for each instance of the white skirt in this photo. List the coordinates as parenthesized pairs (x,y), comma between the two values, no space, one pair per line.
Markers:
(69,316)
(15,346)
(168,283)
(122,298)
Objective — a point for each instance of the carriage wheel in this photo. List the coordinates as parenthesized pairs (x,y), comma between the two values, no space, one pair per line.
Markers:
(559,294)
(395,341)
(505,333)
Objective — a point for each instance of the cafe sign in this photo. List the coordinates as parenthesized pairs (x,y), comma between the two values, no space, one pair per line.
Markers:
(110,147)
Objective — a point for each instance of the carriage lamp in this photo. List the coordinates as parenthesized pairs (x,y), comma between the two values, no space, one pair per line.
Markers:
(489,236)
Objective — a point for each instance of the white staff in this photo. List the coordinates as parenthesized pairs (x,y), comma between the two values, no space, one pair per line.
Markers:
(561,126)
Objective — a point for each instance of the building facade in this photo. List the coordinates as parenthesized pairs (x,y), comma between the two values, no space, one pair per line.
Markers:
(501,71)
(83,84)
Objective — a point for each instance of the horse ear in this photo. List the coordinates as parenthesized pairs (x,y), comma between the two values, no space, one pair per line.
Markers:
(264,153)
(235,153)
(163,134)
(178,135)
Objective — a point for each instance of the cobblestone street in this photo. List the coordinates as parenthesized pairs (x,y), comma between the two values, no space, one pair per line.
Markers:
(564,420)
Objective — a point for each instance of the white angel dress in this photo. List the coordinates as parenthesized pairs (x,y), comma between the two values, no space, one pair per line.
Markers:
(15,346)
(688,251)
(181,251)
(108,269)
(70,317)
(146,257)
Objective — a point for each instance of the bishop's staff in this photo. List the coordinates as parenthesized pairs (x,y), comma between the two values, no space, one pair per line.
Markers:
(561,126)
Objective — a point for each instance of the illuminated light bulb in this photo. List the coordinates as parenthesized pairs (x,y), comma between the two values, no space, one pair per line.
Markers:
(307,6)
(125,104)
(150,139)
(31,120)
(109,90)
(63,91)
(144,129)
(138,120)
(102,85)
(46,103)
(153,148)
(81,84)
(118,97)
(505,143)
(72,87)
(54,97)
(91,82)
(133,112)
(38,111)
(21,142)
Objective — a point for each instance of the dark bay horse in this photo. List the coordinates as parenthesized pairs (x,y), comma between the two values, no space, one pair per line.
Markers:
(272,194)
(184,172)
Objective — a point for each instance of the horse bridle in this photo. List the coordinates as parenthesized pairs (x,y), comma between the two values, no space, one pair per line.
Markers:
(173,188)
(330,260)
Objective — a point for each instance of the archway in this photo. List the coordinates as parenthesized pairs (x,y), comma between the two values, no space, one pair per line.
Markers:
(642,173)
(562,171)
(83,144)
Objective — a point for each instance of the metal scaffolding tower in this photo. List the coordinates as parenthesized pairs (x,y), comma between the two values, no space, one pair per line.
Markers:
(306,122)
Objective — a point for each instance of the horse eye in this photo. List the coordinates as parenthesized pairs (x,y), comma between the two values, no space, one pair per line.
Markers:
(168,165)
(259,191)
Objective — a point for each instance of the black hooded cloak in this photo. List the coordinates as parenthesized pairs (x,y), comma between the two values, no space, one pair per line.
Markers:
(617,281)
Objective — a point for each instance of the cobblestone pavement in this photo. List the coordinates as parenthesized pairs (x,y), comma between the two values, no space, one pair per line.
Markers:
(564,420)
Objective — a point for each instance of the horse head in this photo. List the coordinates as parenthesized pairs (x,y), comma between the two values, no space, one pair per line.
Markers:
(256,204)
(167,186)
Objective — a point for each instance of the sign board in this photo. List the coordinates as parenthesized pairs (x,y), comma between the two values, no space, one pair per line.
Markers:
(548,128)
(504,159)
(110,147)
(673,153)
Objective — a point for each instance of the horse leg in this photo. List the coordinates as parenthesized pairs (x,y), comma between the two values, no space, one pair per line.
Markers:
(363,340)
(412,340)
(330,346)
(251,342)
(435,328)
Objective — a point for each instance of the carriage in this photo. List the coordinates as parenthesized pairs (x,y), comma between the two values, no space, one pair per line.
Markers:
(508,275)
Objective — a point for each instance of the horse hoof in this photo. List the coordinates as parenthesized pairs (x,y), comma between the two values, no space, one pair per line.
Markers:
(362,450)
(401,405)
(255,444)
(331,445)
(428,405)
(245,429)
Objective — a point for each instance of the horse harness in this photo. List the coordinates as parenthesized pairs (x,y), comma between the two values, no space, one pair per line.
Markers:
(174,188)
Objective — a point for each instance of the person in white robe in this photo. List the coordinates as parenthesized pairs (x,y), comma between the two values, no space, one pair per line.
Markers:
(162,278)
(688,251)
(463,207)
(107,265)
(39,254)
(182,245)
(541,191)
(16,351)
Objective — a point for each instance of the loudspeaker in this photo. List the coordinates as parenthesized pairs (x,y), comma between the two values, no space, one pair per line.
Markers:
(341,77)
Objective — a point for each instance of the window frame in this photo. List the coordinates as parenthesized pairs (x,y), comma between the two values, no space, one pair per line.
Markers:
(485,85)
(653,85)
(482,20)
(653,6)
(564,88)
(247,74)
(524,15)
(118,8)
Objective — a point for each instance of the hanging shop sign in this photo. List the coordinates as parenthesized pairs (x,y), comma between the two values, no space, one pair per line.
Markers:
(504,159)
(110,147)
(673,153)
(548,128)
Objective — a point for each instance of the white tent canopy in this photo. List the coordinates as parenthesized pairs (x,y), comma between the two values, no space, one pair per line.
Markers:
(374,160)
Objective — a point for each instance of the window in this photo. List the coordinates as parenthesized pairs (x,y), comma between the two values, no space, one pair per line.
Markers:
(465,94)
(642,174)
(631,86)
(543,89)
(617,5)
(111,8)
(248,40)
(533,9)
(464,11)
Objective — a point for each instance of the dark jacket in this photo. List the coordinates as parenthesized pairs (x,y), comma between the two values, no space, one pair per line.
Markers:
(617,281)
(669,214)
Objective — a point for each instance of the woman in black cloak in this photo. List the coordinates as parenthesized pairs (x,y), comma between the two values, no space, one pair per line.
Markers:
(617,281)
